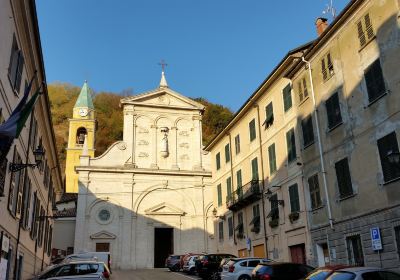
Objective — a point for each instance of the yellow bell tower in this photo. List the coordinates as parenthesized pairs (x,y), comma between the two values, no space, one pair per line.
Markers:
(82,126)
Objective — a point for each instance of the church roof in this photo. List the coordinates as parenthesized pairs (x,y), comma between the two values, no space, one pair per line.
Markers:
(85,97)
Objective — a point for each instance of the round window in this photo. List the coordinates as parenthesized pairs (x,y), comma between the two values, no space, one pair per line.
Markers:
(104,215)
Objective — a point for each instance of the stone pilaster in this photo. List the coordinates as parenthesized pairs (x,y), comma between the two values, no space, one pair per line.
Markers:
(174,154)
(154,155)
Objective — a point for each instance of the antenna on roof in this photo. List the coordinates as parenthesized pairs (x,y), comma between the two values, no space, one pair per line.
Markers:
(330,9)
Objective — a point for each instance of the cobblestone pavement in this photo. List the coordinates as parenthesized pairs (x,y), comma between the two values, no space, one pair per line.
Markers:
(151,274)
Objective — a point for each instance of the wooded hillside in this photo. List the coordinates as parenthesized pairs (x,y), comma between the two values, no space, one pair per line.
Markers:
(109,117)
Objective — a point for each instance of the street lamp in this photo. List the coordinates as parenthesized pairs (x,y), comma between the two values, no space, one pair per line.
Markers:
(38,154)
(393,156)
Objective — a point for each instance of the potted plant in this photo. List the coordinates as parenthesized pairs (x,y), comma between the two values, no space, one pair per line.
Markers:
(274,223)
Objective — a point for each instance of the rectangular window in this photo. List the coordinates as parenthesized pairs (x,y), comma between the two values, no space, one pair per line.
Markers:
(218,160)
(291,145)
(229,189)
(387,145)
(237,144)
(272,158)
(34,216)
(240,226)
(327,67)
(49,247)
(294,198)
(221,231)
(16,66)
(344,178)
(287,97)
(16,187)
(41,225)
(26,205)
(374,80)
(33,133)
(252,129)
(256,219)
(254,169)
(308,132)
(355,251)
(227,153)
(239,182)
(269,115)
(365,30)
(230,227)
(3,173)
(274,214)
(333,111)
(315,194)
(219,191)
(302,88)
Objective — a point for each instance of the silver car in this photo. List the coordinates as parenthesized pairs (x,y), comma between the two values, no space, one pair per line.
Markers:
(76,268)
(364,273)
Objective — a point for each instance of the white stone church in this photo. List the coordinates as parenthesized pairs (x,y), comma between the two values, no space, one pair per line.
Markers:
(149,195)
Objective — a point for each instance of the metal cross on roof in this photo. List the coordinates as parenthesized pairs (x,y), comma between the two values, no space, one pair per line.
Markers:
(163,64)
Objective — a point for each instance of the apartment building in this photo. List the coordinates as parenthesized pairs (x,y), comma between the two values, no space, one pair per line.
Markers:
(257,168)
(326,146)
(347,98)
(27,195)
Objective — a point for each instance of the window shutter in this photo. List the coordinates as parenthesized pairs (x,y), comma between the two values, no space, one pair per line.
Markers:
(333,111)
(287,98)
(272,158)
(12,69)
(343,178)
(294,198)
(227,153)
(305,90)
(237,144)
(252,129)
(300,92)
(291,145)
(361,35)
(20,68)
(308,133)
(368,26)
(239,178)
(269,115)
(254,169)
(219,195)
(374,81)
(229,187)
(386,145)
(315,195)
(323,69)
(218,160)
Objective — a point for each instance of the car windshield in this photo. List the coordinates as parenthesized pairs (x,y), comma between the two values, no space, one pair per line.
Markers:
(342,275)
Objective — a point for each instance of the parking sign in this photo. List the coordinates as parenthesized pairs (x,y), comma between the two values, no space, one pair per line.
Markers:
(376,239)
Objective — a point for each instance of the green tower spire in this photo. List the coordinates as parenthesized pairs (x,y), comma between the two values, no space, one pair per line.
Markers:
(85,97)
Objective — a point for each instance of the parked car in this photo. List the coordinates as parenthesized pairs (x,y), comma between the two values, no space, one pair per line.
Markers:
(240,268)
(190,264)
(280,271)
(322,273)
(76,268)
(208,264)
(96,256)
(79,277)
(364,273)
(173,262)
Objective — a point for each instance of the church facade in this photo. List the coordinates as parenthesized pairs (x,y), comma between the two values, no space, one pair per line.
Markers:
(149,195)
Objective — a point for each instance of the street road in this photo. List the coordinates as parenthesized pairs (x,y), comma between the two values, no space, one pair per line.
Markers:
(151,274)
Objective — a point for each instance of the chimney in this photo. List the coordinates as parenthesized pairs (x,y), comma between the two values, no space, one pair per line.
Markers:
(321,24)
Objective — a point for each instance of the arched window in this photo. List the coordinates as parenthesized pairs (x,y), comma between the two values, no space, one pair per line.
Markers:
(80,135)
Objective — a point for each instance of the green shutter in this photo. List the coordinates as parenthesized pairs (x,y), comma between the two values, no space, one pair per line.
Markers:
(343,178)
(227,153)
(218,161)
(252,129)
(291,145)
(287,98)
(219,195)
(229,188)
(272,158)
(254,169)
(294,198)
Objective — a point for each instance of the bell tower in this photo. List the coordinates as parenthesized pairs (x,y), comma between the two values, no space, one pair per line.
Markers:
(81,126)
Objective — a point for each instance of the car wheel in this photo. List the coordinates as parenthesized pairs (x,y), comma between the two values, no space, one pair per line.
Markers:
(244,277)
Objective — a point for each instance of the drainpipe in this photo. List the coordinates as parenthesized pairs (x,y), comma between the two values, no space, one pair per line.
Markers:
(328,203)
(233,214)
(262,174)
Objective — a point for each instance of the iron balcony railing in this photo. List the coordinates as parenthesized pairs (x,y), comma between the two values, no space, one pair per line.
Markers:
(244,195)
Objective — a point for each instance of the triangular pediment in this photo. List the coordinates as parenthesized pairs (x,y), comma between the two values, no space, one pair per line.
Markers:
(164,209)
(163,97)
(103,235)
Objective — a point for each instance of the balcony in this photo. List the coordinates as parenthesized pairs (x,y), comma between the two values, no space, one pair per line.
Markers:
(245,195)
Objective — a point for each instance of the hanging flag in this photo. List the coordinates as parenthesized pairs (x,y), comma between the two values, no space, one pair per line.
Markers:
(12,128)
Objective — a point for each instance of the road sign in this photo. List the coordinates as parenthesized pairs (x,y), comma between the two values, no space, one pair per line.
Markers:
(376,239)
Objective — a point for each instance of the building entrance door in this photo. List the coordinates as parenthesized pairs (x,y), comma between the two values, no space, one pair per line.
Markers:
(163,245)
(298,253)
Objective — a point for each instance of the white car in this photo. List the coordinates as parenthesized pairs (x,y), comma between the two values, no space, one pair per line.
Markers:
(190,265)
(364,273)
(240,268)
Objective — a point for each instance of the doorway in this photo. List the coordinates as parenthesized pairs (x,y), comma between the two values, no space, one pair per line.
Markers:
(102,247)
(298,253)
(163,245)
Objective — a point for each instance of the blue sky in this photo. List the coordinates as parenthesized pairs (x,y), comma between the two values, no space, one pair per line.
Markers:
(218,49)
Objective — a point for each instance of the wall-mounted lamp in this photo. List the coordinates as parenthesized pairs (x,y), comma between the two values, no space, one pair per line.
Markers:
(38,153)
(214,212)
